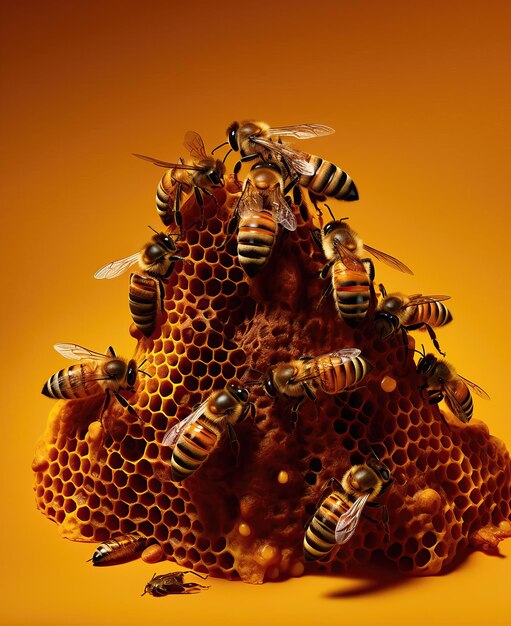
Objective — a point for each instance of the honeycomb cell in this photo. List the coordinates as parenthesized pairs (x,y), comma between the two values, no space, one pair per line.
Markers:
(243,521)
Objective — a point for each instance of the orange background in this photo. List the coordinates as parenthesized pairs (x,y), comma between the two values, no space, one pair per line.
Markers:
(419,96)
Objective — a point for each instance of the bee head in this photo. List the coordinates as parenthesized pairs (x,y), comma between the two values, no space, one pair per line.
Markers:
(426,364)
(240,393)
(269,384)
(392,304)
(165,241)
(232,136)
(362,478)
(115,369)
(216,175)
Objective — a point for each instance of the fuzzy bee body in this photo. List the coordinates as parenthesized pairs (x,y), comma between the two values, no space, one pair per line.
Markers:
(329,180)
(145,302)
(339,513)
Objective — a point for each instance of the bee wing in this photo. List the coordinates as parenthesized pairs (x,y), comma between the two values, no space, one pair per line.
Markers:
(298,160)
(475,388)
(301,131)
(281,211)
(418,298)
(346,354)
(116,268)
(250,200)
(348,521)
(349,259)
(454,405)
(173,434)
(77,353)
(389,260)
(166,165)
(194,144)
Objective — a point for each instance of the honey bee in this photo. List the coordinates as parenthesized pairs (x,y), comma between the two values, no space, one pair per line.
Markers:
(172,583)
(442,382)
(332,373)
(322,178)
(352,275)
(260,209)
(340,511)
(95,374)
(396,312)
(157,259)
(201,173)
(119,549)
(195,437)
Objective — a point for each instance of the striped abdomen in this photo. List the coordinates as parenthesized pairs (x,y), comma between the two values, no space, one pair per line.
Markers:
(352,292)
(165,186)
(329,180)
(74,382)
(145,295)
(119,549)
(432,313)
(256,236)
(462,394)
(319,537)
(334,375)
(193,447)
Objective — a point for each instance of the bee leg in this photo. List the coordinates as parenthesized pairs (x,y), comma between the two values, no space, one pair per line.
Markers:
(105,406)
(176,209)
(195,574)
(431,333)
(316,238)
(327,292)
(326,269)
(231,229)
(233,440)
(292,183)
(208,193)
(328,487)
(124,403)
(200,201)
(294,411)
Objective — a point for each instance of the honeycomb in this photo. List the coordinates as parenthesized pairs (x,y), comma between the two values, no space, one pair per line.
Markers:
(452,482)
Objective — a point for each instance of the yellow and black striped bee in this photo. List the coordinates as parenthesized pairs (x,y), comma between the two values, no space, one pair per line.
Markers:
(172,583)
(261,208)
(200,173)
(96,374)
(442,382)
(352,275)
(395,312)
(254,140)
(332,373)
(157,259)
(340,511)
(195,437)
(120,549)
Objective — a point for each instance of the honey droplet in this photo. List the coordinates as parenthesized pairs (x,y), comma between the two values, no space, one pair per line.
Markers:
(283,477)
(297,569)
(244,529)
(268,553)
(388,384)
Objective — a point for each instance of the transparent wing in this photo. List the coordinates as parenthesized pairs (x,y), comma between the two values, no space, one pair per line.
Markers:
(418,298)
(168,166)
(389,260)
(348,521)
(281,211)
(194,144)
(116,268)
(297,160)
(173,434)
(454,405)
(475,388)
(250,200)
(77,353)
(346,354)
(349,259)
(301,131)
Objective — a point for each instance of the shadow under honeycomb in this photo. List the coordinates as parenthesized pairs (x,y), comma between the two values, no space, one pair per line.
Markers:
(451,482)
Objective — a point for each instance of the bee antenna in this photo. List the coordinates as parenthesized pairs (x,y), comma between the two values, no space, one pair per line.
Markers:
(222,144)
(252,383)
(343,219)
(226,155)
(143,362)
(383,291)
(423,353)
(153,229)
(330,211)
(374,454)
(142,372)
